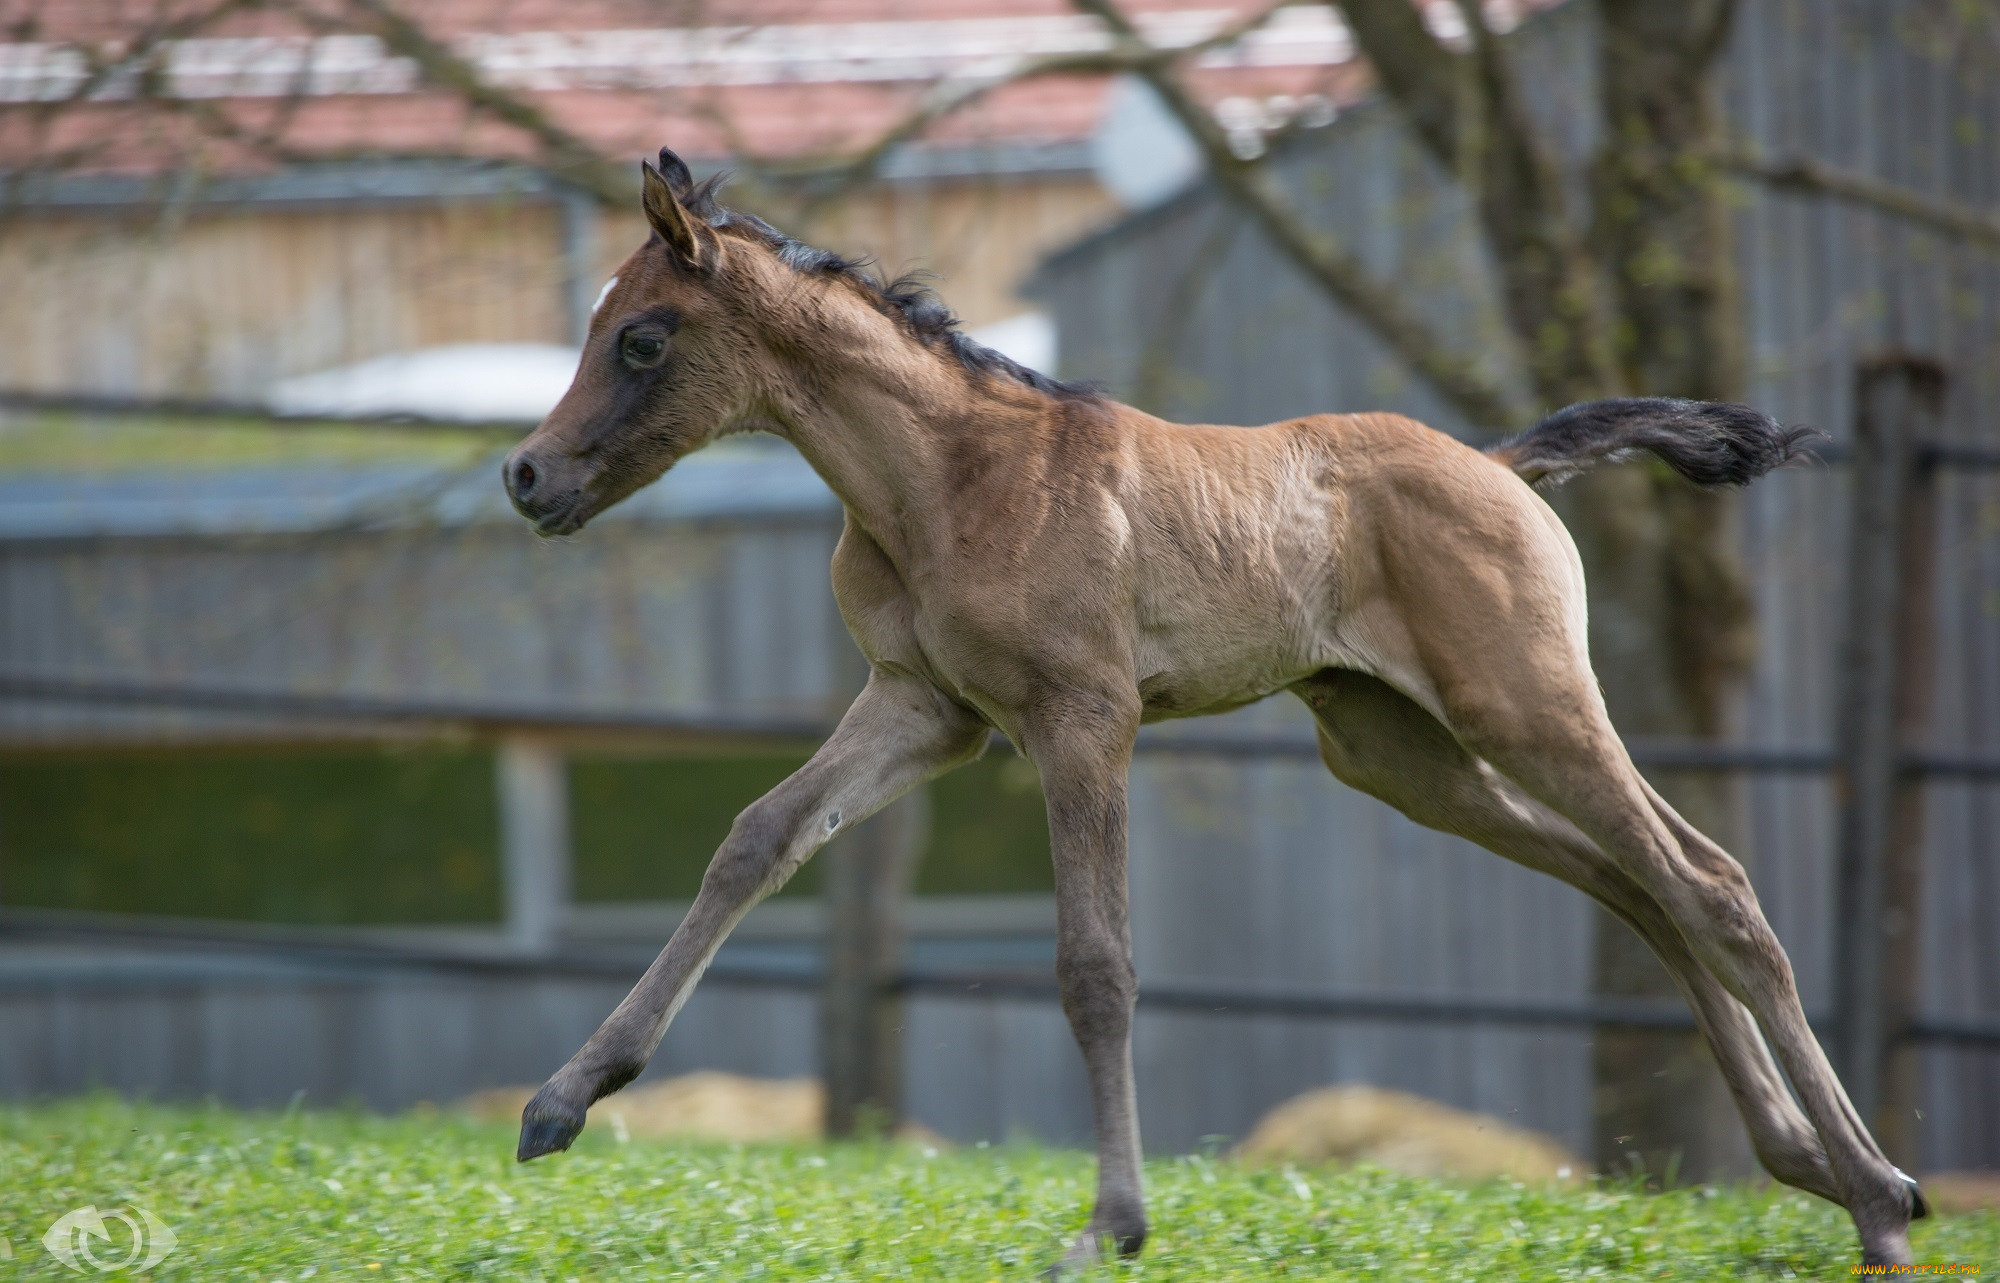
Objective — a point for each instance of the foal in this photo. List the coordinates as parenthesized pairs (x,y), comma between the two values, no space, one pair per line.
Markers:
(1024,555)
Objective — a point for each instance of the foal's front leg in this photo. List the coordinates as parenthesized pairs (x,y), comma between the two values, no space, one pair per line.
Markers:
(898,733)
(1082,749)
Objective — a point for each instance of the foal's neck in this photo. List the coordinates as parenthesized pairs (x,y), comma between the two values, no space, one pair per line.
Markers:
(886,436)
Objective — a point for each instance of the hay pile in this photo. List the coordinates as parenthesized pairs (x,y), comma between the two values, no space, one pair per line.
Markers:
(1407,1134)
(703,1106)
(700,1106)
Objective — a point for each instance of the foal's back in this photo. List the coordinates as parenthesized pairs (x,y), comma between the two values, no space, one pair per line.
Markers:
(1263,555)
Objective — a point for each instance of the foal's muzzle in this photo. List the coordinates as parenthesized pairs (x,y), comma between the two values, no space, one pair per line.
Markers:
(519,476)
(540,493)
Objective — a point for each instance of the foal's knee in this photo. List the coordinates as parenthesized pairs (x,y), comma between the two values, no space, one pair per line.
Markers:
(1099,989)
(749,857)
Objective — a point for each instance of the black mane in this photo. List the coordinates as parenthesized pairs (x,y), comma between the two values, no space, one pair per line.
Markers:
(908,297)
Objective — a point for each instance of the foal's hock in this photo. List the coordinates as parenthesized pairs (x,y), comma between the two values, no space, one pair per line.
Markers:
(1025,555)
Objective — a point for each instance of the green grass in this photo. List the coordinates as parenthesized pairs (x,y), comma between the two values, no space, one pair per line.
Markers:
(348,1196)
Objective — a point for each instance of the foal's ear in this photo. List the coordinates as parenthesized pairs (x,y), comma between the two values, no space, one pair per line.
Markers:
(683,232)
(676,172)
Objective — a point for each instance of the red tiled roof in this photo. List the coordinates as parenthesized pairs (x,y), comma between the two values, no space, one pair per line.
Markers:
(773,78)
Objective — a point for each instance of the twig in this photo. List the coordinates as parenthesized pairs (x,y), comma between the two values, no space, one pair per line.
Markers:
(1467,110)
(101,66)
(567,156)
(1802,173)
(1316,253)
(832,179)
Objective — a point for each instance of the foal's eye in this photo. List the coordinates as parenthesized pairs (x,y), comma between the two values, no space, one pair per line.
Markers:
(640,349)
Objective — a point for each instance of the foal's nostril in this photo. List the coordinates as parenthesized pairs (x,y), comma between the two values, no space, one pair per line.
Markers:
(524,478)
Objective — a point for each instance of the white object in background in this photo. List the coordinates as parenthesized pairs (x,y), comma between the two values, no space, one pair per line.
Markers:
(534,841)
(475,382)
(1029,339)
(1140,152)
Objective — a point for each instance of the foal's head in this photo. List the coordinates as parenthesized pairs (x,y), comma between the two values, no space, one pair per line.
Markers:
(719,323)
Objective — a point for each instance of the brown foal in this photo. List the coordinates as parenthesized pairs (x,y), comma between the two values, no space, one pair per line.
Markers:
(1025,555)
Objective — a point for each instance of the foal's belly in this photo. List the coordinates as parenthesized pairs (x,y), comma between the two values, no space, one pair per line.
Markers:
(1235,600)
(1224,665)
(1162,701)
(1212,652)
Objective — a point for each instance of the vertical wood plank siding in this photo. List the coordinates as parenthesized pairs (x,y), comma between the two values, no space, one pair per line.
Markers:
(218,303)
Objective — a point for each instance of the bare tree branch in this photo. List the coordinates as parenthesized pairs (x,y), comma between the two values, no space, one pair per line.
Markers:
(1316,253)
(831,179)
(1419,75)
(1660,227)
(1804,174)
(574,159)
(565,155)
(1468,112)
(136,57)
(136,54)
(825,181)
(1513,180)
(1709,44)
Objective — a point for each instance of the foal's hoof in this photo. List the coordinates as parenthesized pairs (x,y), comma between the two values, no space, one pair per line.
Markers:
(1094,1246)
(1920,1206)
(547,1125)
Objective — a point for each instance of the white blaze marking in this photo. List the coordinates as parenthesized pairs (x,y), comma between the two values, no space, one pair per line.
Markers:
(603,294)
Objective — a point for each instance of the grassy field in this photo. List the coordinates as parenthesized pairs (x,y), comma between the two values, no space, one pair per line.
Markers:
(338,1196)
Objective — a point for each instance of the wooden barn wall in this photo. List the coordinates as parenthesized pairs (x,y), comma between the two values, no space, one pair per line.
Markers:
(977,238)
(221,303)
(980,239)
(1188,312)
(218,303)
(639,618)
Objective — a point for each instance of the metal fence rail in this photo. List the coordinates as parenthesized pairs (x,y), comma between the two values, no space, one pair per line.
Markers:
(349,957)
(449,716)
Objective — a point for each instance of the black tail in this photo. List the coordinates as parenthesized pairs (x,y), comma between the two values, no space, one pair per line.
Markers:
(1711,443)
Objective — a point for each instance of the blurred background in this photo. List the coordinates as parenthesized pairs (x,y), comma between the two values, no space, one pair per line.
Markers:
(320,773)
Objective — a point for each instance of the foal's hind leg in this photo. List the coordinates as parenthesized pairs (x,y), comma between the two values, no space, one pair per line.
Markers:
(1543,725)
(1474,604)
(1378,740)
